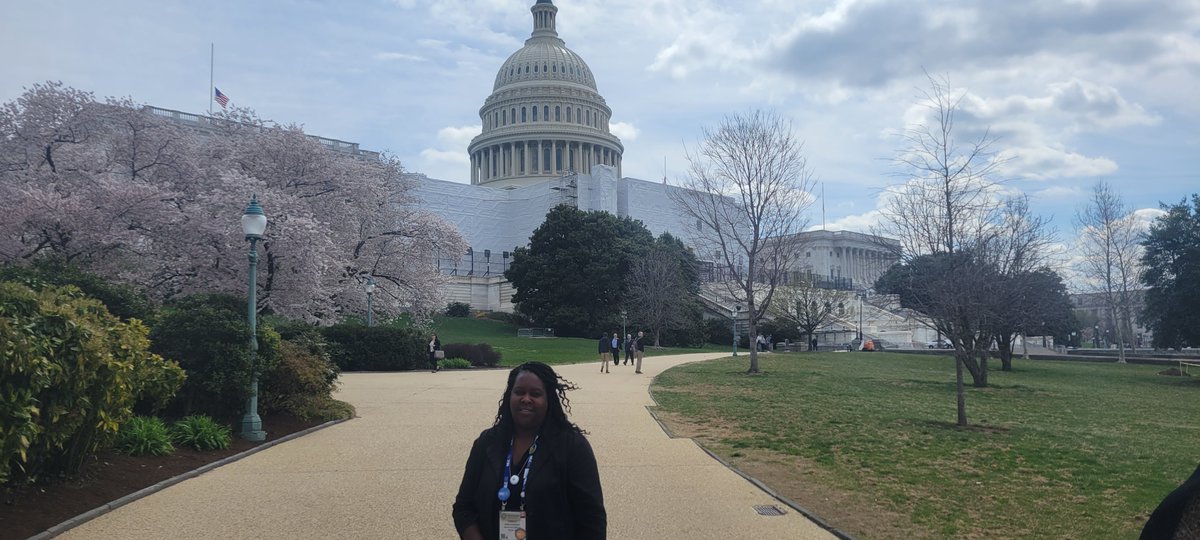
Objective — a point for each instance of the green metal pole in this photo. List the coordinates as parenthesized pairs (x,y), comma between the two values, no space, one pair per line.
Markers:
(251,422)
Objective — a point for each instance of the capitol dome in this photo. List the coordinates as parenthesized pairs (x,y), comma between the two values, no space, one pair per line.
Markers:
(545,117)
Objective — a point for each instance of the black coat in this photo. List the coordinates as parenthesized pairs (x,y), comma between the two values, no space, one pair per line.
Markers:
(605,345)
(564,496)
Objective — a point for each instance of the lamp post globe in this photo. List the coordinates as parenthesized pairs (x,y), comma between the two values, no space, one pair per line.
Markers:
(254,223)
(370,292)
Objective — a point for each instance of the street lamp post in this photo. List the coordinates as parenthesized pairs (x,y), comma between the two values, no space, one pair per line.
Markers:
(860,317)
(254,222)
(370,293)
(733,317)
(623,317)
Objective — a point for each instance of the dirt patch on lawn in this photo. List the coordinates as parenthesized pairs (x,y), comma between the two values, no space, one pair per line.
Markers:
(802,481)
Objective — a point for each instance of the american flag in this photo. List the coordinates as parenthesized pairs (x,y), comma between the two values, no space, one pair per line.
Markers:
(221,98)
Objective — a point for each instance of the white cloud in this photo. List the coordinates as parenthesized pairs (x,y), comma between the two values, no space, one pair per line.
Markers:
(390,56)
(863,223)
(444,156)
(625,131)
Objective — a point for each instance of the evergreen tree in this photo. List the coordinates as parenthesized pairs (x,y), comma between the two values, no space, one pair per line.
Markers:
(1172,273)
(571,277)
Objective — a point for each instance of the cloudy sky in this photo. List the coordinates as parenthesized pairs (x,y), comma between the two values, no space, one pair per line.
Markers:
(1076,90)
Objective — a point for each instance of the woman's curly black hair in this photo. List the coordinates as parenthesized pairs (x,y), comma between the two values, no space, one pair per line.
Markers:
(557,404)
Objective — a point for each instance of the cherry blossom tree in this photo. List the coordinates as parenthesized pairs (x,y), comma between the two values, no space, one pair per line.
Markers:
(124,193)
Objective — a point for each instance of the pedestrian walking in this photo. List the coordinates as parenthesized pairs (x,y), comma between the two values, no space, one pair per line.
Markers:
(616,348)
(605,349)
(628,349)
(435,352)
(639,351)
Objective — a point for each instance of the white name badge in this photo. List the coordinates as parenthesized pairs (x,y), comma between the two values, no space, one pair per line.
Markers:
(512,525)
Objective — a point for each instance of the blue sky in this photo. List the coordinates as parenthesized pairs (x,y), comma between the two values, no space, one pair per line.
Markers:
(1077,90)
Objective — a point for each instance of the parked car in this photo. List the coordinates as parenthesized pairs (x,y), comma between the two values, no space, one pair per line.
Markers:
(939,344)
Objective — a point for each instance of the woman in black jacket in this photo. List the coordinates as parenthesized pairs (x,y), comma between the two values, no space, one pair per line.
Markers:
(533,470)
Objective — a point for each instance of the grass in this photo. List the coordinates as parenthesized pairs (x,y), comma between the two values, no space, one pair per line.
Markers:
(517,350)
(1057,449)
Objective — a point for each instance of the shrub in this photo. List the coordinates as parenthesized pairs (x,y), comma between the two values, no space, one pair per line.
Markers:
(304,371)
(322,409)
(202,433)
(354,347)
(144,436)
(70,374)
(480,355)
(458,309)
(121,300)
(208,335)
(455,363)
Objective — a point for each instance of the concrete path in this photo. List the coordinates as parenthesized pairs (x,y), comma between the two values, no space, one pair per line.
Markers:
(393,472)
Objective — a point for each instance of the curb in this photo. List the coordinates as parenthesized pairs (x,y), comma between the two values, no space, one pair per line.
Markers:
(106,508)
(842,535)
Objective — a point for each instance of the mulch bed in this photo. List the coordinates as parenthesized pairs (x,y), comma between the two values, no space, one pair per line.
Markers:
(29,510)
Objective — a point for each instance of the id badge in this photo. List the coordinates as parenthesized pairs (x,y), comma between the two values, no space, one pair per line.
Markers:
(512,525)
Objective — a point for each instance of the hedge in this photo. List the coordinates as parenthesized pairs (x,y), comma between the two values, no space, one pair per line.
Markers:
(354,347)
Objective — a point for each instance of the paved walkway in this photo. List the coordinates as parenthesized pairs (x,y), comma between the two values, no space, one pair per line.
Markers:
(393,472)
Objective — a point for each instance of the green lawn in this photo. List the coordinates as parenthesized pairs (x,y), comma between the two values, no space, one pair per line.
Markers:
(517,350)
(1060,449)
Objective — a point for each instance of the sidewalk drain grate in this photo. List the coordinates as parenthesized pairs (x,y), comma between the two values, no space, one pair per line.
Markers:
(768,510)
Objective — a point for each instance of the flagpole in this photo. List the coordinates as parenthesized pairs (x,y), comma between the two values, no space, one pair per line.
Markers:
(822,205)
(211,52)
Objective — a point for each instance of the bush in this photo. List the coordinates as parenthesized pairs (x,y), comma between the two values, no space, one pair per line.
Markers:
(70,374)
(208,335)
(304,372)
(202,433)
(144,436)
(323,409)
(480,355)
(354,347)
(122,301)
(458,309)
(455,363)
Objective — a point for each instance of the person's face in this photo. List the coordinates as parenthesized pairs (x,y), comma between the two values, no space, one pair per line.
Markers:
(528,402)
(641,334)
(614,335)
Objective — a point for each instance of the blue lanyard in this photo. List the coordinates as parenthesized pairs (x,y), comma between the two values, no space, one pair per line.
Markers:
(504,493)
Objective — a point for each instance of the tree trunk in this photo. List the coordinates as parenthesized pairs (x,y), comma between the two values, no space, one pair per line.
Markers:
(981,381)
(977,368)
(753,344)
(961,394)
(1006,353)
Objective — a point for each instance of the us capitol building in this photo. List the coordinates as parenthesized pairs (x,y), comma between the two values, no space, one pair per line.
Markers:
(545,142)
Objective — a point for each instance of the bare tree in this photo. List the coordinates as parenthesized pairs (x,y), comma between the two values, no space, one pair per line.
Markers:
(1110,250)
(806,306)
(748,188)
(663,287)
(1025,294)
(948,208)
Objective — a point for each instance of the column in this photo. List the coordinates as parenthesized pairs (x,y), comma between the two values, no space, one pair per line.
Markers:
(538,168)
(554,157)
